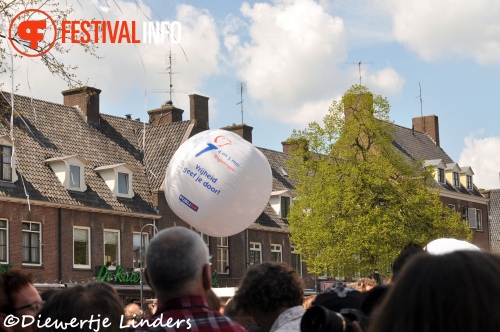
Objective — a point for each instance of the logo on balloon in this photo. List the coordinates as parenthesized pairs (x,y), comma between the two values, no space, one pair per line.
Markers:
(190,204)
(223,158)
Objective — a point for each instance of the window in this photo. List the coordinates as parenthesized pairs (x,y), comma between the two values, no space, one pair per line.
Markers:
(32,243)
(70,171)
(111,248)
(136,248)
(255,253)
(119,179)
(456,179)
(123,183)
(276,253)
(222,255)
(81,247)
(285,206)
(4,244)
(296,261)
(479,219)
(6,158)
(469,181)
(441,175)
(74,176)
(451,207)
(465,213)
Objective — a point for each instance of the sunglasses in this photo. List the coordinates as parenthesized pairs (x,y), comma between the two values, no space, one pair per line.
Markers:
(35,306)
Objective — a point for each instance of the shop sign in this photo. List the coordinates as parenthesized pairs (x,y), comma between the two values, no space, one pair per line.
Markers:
(118,275)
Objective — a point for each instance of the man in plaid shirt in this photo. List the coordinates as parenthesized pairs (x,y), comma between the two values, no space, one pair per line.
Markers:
(178,270)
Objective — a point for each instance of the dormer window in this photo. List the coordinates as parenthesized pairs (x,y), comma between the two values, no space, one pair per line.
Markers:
(70,171)
(8,172)
(118,178)
(123,183)
(440,173)
(469,181)
(285,206)
(6,158)
(280,201)
(456,179)
(74,176)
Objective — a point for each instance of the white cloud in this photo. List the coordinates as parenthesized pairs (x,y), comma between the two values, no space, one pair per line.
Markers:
(120,72)
(477,154)
(436,29)
(290,60)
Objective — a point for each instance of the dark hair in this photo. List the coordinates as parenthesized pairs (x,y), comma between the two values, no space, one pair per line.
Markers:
(81,302)
(408,252)
(269,286)
(13,282)
(458,291)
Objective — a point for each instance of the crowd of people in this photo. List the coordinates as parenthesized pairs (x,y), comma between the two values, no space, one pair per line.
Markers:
(452,292)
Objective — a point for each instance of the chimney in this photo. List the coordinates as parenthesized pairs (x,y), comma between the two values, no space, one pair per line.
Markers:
(199,112)
(243,130)
(168,113)
(427,124)
(86,99)
(358,102)
(292,144)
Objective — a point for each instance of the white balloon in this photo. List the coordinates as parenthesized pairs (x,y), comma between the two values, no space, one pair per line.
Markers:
(447,245)
(218,183)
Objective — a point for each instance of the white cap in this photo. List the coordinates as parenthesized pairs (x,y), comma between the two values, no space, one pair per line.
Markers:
(445,246)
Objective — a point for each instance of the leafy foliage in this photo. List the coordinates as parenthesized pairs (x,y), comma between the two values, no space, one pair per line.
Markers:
(359,201)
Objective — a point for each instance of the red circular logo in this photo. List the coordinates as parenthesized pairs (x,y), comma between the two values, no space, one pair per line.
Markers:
(31,32)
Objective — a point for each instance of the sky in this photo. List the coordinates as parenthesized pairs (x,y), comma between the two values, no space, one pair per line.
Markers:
(295,57)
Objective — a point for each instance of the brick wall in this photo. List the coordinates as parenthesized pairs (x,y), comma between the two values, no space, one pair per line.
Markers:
(479,238)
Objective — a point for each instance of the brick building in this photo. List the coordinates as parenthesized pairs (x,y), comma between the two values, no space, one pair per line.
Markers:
(83,185)
(454,182)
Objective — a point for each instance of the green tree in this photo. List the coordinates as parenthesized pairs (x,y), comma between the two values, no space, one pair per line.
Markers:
(359,201)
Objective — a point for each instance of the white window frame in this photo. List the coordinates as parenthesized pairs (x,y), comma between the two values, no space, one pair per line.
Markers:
(281,206)
(89,245)
(456,179)
(293,253)
(479,219)
(111,174)
(6,230)
(145,241)
(256,247)
(61,166)
(277,248)
(7,142)
(223,247)
(440,175)
(468,180)
(78,170)
(118,254)
(39,241)
(127,183)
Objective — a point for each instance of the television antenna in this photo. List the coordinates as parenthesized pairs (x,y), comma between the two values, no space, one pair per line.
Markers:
(359,63)
(170,60)
(421,101)
(241,88)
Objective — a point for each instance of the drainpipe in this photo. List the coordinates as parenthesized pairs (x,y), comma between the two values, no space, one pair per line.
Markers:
(59,240)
